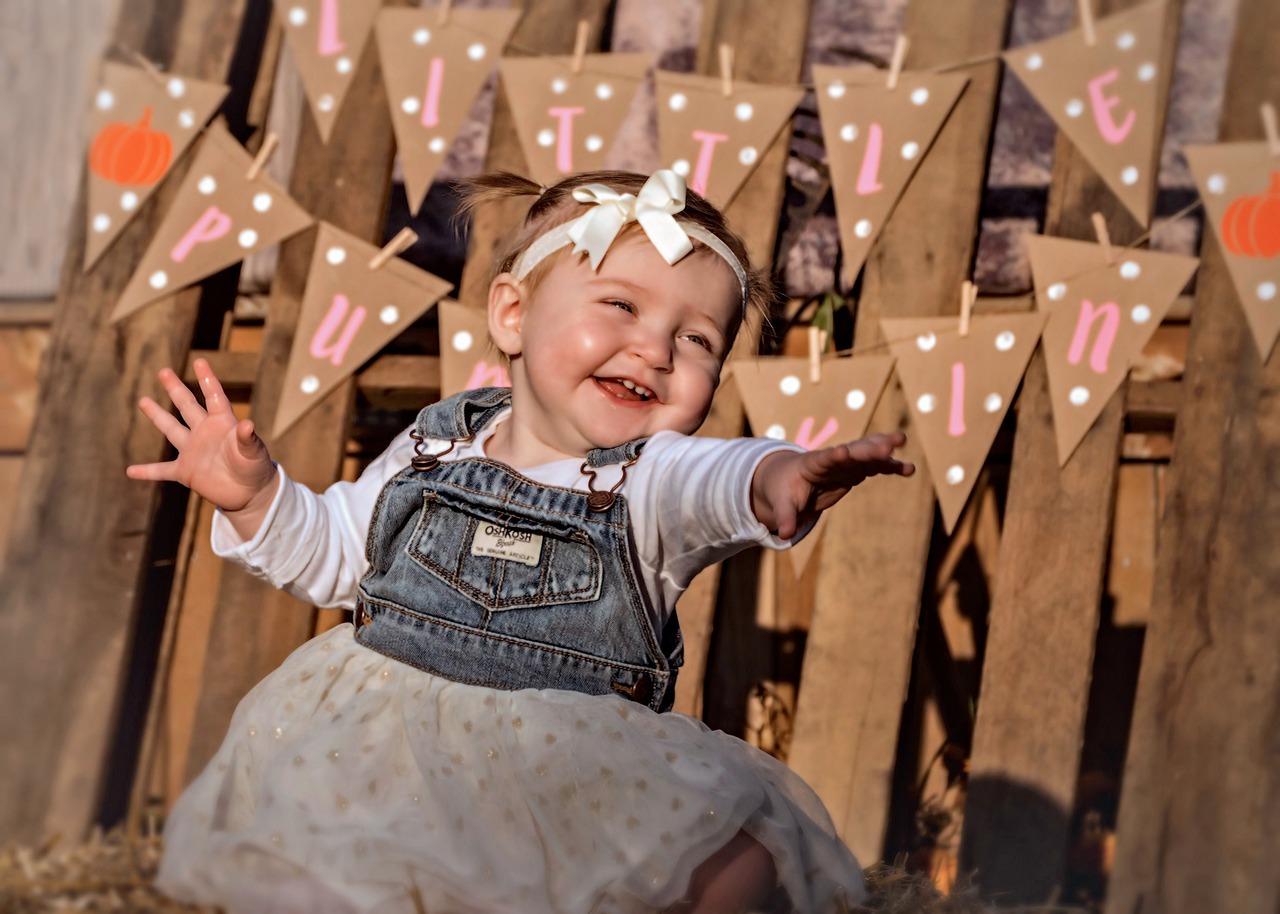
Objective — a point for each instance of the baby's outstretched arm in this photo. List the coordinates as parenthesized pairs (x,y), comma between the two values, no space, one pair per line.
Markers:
(790,486)
(219,457)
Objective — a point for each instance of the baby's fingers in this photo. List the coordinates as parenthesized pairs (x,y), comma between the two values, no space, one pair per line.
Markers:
(184,399)
(161,418)
(215,398)
(161,472)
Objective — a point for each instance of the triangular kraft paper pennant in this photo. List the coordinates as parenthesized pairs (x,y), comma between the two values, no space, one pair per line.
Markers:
(1104,97)
(714,140)
(1100,317)
(958,389)
(349,312)
(567,121)
(141,123)
(432,73)
(876,138)
(1240,186)
(467,358)
(327,38)
(782,402)
(217,218)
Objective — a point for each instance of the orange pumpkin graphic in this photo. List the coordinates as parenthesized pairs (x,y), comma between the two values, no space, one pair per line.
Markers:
(131,153)
(1251,224)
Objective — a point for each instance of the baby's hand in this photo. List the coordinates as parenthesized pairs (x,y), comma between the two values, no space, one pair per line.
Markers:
(790,486)
(219,457)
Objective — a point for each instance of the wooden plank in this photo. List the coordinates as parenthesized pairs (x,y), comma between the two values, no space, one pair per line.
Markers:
(20,352)
(1199,821)
(860,644)
(75,507)
(1045,606)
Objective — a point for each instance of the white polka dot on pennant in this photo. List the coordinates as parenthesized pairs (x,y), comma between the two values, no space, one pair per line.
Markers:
(1140,314)
(207,185)
(105,100)
(1125,40)
(1075,108)
(1034,62)
(546,137)
(158,280)
(342,65)
(678,101)
(297,16)
(744,111)
(462,341)
(926,341)
(389,314)
(790,385)
(335,255)
(604,91)
(310,384)
(1266,290)
(559,85)
(593,143)
(476,51)
(1147,72)
(926,403)
(849,133)
(1057,291)
(836,89)
(1216,183)
(1130,270)
(855,399)
(955,474)
(325,102)
(1079,396)
(436,145)
(1004,342)
(262,202)
(176,88)
(128,200)
(247,238)
(747,155)
(421,36)
(1129,176)
(992,403)
(919,96)
(101,222)
(681,167)
(776,432)
(910,150)
(186,118)
(862,228)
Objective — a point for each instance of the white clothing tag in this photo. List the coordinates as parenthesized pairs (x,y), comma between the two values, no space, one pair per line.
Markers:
(500,542)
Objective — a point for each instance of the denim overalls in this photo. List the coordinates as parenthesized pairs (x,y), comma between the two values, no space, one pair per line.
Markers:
(563,609)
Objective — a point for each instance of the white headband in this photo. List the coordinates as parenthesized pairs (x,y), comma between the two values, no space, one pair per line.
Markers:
(654,208)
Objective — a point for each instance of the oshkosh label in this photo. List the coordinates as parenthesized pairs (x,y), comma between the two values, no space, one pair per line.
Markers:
(499,542)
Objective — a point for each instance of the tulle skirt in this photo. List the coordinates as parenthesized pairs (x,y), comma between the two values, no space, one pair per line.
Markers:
(350,782)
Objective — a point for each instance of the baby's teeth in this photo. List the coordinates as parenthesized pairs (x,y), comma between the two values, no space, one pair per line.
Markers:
(628,385)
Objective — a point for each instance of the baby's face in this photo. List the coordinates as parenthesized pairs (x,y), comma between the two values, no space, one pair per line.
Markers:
(634,348)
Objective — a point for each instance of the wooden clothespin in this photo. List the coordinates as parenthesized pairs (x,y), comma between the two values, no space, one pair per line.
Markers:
(446,7)
(726,69)
(264,154)
(968,298)
(817,343)
(896,62)
(1104,238)
(1086,22)
(1269,126)
(580,45)
(404,238)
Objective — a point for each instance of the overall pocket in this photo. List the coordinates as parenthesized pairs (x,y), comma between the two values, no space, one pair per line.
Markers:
(548,562)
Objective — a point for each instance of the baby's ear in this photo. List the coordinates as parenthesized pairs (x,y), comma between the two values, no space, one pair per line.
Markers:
(506,313)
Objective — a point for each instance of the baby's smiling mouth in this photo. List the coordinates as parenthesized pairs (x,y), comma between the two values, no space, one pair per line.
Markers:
(623,389)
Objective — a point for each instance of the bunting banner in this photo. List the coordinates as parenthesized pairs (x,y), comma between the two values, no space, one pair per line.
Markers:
(1105,97)
(350,310)
(327,38)
(567,121)
(467,358)
(876,138)
(1100,315)
(141,122)
(958,389)
(433,71)
(218,218)
(1240,186)
(715,140)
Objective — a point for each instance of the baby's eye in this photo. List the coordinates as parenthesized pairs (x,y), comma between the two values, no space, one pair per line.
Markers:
(623,305)
(699,339)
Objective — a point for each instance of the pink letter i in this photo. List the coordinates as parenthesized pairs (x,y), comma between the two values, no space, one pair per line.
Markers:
(564,137)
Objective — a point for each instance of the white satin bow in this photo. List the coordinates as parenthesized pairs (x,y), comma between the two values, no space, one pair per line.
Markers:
(661,197)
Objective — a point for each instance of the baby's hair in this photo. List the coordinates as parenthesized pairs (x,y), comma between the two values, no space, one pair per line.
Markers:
(556,204)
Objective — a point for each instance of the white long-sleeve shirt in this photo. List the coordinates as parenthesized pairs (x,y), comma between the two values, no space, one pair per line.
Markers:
(689,500)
